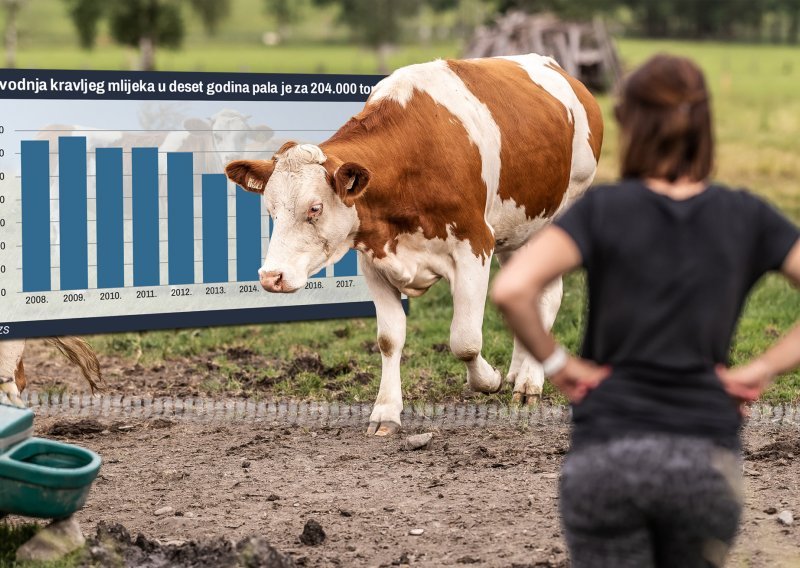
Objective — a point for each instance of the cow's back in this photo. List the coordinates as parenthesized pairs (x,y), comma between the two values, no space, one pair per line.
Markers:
(532,141)
(551,131)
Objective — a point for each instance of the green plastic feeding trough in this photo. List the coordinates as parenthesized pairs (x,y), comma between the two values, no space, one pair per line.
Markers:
(38,477)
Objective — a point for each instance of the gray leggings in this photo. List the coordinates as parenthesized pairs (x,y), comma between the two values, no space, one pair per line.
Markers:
(651,501)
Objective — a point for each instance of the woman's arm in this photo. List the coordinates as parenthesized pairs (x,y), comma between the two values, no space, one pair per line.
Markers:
(517,290)
(749,381)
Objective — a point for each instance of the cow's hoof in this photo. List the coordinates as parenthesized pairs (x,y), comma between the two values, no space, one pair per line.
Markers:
(489,381)
(383,429)
(520,398)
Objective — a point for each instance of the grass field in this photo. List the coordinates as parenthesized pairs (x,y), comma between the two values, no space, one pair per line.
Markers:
(757,113)
(14,536)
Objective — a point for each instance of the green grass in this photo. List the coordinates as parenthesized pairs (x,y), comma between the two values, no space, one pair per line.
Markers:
(12,536)
(292,58)
(757,117)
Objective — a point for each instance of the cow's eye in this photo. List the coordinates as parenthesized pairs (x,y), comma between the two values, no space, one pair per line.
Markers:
(314,210)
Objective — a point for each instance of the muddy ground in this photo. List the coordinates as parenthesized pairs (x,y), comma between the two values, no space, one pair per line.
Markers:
(481,497)
(47,371)
(485,497)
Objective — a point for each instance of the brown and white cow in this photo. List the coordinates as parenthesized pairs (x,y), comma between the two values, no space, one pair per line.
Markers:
(448,163)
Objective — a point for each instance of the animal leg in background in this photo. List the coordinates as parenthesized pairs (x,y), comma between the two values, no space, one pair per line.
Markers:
(12,374)
(525,372)
(469,286)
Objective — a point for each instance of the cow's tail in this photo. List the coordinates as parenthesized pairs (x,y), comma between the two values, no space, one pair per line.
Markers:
(80,354)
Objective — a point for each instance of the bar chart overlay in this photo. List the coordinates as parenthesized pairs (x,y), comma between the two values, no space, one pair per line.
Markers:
(109,223)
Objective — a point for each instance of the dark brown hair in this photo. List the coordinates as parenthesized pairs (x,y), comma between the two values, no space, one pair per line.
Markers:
(665,121)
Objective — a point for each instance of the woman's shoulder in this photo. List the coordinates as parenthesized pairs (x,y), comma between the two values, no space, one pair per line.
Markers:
(605,190)
(614,192)
(628,188)
(738,196)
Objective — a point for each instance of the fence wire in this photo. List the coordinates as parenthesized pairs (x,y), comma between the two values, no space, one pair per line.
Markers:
(327,414)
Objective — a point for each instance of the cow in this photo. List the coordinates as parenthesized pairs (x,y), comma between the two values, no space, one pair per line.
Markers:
(12,369)
(449,163)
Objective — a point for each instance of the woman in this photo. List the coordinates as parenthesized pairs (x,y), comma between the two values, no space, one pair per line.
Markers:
(653,477)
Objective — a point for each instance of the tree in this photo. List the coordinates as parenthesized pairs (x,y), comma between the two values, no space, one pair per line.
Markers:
(579,9)
(377,23)
(10,33)
(211,12)
(286,13)
(143,24)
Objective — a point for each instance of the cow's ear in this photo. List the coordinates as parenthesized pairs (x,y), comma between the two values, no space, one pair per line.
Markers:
(251,175)
(350,181)
(261,133)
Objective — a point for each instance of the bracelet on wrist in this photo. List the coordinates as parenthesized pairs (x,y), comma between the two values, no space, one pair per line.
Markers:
(555,362)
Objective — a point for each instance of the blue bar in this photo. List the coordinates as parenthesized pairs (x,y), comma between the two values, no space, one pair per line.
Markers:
(144,167)
(35,215)
(347,266)
(110,251)
(72,212)
(215,228)
(180,218)
(248,235)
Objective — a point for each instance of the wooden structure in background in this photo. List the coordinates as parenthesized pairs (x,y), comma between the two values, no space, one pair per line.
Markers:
(584,49)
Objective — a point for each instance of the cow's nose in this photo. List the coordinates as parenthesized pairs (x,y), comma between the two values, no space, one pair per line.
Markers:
(271,281)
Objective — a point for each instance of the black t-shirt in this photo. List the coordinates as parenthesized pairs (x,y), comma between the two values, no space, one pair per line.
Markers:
(667,281)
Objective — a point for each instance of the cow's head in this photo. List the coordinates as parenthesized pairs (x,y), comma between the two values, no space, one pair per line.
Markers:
(231,133)
(310,197)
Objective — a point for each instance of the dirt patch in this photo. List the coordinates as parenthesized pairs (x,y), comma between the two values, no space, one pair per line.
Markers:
(786,447)
(113,546)
(313,534)
(482,497)
(89,427)
(311,363)
(76,429)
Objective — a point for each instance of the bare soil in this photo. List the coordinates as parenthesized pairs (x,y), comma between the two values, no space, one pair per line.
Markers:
(485,497)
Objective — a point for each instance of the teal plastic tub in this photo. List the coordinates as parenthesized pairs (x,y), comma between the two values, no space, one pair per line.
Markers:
(47,479)
(16,425)
(38,477)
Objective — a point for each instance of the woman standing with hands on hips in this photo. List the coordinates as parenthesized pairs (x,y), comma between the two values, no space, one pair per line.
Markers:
(653,477)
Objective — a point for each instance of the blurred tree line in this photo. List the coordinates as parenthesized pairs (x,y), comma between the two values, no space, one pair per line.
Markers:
(776,21)
(380,24)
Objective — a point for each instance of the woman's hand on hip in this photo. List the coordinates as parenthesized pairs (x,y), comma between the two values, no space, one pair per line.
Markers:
(745,383)
(578,377)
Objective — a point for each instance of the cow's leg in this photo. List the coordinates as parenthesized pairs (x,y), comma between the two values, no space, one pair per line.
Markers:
(528,377)
(469,286)
(10,363)
(519,354)
(385,418)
